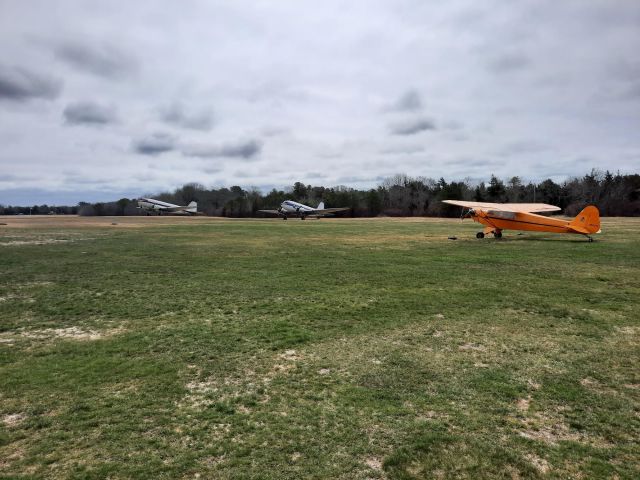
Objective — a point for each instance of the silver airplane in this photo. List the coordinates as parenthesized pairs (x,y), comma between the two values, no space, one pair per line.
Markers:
(153,205)
(289,207)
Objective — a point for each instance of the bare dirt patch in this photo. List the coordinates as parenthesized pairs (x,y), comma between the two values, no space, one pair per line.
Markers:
(20,286)
(121,389)
(48,241)
(290,355)
(257,376)
(13,419)
(74,333)
(471,346)
(539,463)
(551,428)
(72,221)
(69,333)
(533,385)
(589,383)
(523,404)
(42,238)
(551,433)
(628,330)
(373,463)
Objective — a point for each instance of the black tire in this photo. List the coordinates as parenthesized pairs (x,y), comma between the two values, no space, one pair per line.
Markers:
(479,235)
(498,234)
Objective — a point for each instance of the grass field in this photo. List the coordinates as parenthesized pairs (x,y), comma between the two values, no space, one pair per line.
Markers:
(207,348)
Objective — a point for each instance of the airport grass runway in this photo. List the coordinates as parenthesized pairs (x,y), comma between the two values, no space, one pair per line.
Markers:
(207,348)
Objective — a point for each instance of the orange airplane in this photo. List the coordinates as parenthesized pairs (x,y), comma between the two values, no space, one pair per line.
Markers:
(522,216)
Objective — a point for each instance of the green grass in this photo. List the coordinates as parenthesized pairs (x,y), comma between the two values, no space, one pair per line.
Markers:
(320,349)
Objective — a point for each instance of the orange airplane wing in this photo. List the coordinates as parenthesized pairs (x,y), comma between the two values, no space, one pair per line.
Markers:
(506,207)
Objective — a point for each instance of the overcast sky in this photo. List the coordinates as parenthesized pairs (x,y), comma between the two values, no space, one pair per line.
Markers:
(120,98)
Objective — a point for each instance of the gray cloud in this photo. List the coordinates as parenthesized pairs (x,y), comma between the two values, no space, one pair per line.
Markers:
(90,113)
(154,144)
(402,149)
(19,84)
(509,62)
(474,162)
(246,149)
(212,169)
(522,147)
(351,179)
(177,114)
(453,125)
(411,127)
(102,60)
(410,101)
(274,131)
(632,92)
(6,177)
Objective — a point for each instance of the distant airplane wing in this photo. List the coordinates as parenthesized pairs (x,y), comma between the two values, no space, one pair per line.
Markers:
(506,207)
(331,210)
(174,209)
(275,212)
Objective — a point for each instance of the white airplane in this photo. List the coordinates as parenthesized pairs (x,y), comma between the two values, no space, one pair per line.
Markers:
(289,207)
(153,205)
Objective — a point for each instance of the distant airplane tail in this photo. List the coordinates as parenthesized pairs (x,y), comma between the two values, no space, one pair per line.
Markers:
(192,207)
(320,206)
(587,221)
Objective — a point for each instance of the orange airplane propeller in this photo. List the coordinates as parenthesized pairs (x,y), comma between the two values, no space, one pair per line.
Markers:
(522,216)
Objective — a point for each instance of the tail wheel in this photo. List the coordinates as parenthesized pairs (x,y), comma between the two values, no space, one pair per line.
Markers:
(479,235)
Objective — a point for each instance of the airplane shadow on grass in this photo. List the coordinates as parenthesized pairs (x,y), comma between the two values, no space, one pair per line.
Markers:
(531,238)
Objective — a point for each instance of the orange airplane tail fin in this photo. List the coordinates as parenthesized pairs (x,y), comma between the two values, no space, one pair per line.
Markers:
(587,221)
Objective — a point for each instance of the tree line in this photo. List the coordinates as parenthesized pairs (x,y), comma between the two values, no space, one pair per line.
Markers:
(400,195)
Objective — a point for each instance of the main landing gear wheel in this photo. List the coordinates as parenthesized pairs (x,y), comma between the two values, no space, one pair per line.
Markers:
(590,239)
(497,234)
(479,235)
(284,218)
